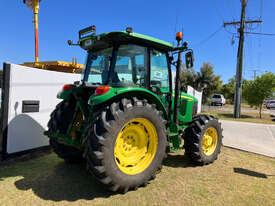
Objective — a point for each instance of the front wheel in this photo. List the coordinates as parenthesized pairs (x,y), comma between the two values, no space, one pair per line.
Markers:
(127,144)
(203,139)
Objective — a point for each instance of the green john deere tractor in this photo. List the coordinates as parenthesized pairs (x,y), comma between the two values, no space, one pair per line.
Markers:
(125,115)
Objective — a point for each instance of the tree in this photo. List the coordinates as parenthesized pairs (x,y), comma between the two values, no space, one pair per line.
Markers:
(228,90)
(188,77)
(205,80)
(256,91)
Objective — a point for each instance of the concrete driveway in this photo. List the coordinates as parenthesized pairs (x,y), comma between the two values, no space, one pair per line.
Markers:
(251,137)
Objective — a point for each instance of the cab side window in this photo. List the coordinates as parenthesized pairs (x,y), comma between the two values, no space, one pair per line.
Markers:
(131,65)
(159,71)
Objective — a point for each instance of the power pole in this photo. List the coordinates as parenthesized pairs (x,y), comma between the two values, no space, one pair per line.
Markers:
(239,68)
(255,73)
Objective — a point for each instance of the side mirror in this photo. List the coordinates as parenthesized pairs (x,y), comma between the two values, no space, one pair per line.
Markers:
(70,42)
(189,59)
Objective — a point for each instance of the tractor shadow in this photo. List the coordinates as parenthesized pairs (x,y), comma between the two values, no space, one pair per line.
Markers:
(176,161)
(57,182)
(251,173)
(65,182)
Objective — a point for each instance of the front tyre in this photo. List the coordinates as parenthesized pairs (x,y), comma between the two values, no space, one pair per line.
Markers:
(203,139)
(127,144)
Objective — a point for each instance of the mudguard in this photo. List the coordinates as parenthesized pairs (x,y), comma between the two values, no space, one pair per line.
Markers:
(115,93)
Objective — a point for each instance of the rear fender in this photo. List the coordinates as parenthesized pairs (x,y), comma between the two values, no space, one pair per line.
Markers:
(118,93)
(65,94)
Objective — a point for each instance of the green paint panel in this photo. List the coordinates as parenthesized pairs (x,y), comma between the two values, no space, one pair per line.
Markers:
(64,94)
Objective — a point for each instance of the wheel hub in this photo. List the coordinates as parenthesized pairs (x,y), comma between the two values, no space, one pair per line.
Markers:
(210,140)
(135,146)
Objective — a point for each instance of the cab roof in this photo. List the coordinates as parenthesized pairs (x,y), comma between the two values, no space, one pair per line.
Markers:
(121,37)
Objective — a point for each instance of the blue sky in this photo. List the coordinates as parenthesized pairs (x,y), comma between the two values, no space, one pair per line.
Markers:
(61,20)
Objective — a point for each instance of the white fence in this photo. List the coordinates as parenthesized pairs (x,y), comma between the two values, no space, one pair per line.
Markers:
(190,90)
(29,96)
(198,95)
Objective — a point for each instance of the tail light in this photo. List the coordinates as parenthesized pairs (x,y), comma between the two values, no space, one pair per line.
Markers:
(101,90)
(67,87)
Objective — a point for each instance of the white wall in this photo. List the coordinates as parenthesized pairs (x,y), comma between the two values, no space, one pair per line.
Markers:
(195,93)
(25,130)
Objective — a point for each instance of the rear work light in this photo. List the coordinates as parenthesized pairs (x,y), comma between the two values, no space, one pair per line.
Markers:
(67,87)
(101,90)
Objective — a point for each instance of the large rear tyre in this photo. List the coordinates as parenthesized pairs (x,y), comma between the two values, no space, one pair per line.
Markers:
(127,144)
(69,154)
(62,116)
(60,120)
(203,139)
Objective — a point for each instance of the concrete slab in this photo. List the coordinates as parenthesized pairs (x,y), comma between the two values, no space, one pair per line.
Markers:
(251,137)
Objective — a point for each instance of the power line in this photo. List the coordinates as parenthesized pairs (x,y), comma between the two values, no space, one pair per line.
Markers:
(229,31)
(261,9)
(176,25)
(208,38)
(217,10)
(245,64)
(232,8)
(264,34)
(260,46)
(249,52)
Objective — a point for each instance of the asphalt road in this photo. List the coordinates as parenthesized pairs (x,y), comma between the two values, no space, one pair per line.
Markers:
(251,137)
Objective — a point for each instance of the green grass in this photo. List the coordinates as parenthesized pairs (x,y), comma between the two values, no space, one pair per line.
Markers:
(245,116)
(245,106)
(236,178)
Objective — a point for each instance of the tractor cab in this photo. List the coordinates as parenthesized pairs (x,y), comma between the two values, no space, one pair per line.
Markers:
(127,59)
(128,65)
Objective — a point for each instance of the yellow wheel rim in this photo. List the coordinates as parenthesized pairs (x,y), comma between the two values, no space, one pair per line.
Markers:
(136,146)
(210,140)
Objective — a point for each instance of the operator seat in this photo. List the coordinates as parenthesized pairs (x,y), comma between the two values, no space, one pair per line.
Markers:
(155,87)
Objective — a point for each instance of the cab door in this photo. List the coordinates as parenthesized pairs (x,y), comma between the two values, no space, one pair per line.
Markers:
(159,76)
